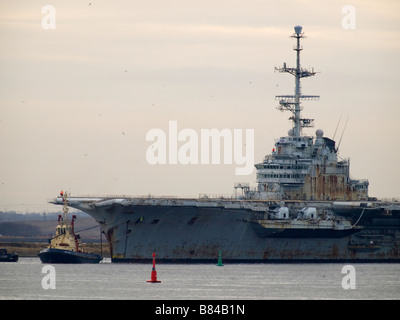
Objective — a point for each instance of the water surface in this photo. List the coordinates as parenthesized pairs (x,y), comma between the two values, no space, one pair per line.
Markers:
(23,280)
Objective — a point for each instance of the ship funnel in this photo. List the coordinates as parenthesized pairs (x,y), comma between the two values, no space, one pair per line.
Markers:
(298,29)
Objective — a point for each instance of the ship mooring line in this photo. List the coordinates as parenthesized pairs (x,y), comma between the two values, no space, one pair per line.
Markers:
(88,228)
(358,219)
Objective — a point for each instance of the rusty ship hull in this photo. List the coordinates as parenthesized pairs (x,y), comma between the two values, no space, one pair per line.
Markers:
(195,231)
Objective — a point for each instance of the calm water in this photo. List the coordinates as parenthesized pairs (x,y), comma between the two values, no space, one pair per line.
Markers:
(23,280)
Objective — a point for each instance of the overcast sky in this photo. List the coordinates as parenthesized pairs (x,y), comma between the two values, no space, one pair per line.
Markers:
(77,101)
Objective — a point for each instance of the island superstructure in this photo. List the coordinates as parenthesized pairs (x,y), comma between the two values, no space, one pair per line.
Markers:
(300,168)
(305,208)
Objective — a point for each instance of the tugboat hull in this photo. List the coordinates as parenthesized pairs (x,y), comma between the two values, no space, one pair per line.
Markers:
(50,255)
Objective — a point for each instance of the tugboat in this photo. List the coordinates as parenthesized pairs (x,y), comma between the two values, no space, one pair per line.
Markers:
(8,257)
(65,246)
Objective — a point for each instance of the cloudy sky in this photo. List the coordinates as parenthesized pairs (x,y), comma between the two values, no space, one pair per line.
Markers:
(78,97)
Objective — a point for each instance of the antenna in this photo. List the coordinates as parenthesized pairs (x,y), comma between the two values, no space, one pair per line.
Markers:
(298,29)
(337,149)
(292,102)
(340,118)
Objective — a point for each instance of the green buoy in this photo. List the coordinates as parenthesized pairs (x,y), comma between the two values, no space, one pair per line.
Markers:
(220,260)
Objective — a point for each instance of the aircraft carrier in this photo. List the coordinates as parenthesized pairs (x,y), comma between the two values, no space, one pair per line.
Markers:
(305,208)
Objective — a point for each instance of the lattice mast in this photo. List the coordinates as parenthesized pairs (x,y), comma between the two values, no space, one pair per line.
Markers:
(292,103)
(64,196)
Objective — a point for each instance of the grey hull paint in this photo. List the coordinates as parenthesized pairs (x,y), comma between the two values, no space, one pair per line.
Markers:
(196,234)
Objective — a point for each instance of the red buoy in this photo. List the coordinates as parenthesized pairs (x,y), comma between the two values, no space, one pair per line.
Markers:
(154,272)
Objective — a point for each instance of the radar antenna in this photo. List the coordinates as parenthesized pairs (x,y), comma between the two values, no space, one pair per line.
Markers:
(292,102)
